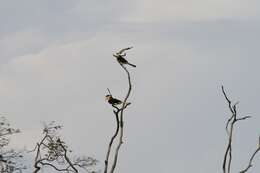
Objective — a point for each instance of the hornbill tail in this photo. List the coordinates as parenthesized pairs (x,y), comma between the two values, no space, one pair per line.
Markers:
(131,64)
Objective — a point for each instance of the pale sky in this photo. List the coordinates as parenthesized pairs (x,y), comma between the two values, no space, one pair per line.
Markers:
(56,63)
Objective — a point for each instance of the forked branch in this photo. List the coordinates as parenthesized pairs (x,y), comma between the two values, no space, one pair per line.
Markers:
(250,164)
(226,166)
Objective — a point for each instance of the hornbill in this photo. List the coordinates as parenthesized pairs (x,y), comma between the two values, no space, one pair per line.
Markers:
(122,60)
(113,101)
(121,57)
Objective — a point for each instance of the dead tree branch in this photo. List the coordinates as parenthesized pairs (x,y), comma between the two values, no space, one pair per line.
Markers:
(226,166)
(116,112)
(250,164)
(121,127)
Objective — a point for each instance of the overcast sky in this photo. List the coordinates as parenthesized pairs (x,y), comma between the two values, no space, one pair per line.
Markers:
(56,63)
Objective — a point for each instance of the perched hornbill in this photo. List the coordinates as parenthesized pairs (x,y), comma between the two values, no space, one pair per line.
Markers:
(113,101)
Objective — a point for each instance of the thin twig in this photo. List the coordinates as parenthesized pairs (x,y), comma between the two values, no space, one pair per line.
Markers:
(227,99)
(251,160)
(243,118)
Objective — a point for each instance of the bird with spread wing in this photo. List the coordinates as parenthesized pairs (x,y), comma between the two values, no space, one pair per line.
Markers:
(120,56)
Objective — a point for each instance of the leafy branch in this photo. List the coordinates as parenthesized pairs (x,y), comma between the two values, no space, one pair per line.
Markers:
(9,158)
(51,151)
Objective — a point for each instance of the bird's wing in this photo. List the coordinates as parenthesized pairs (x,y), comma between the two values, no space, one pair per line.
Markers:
(122,50)
(117,101)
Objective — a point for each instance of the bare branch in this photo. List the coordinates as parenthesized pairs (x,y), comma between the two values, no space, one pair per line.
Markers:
(228,153)
(112,138)
(228,121)
(250,164)
(121,119)
(227,99)
(230,130)
(243,118)
(66,157)
(259,142)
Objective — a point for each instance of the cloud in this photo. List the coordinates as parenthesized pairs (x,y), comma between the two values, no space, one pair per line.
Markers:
(58,19)
(33,14)
(21,43)
(194,10)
